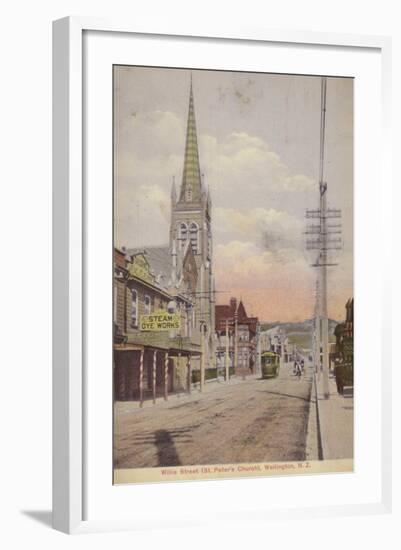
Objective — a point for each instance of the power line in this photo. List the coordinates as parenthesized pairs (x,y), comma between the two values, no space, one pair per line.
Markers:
(322,241)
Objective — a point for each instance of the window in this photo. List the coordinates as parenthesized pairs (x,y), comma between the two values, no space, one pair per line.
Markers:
(209,245)
(188,195)
(183,234)
(148,304)
(134,308)
(115,302)
(193,235)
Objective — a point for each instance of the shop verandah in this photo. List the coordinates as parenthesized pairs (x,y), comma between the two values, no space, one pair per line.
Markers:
(147,372)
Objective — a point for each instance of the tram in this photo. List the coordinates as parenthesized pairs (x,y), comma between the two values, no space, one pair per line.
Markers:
(270,362)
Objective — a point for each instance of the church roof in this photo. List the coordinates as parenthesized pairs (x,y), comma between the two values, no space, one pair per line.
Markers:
(191,186)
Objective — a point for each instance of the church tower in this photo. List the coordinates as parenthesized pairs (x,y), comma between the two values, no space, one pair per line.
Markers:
(191,226)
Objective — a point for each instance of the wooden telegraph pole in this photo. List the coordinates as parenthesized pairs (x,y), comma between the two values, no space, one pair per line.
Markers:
(166,376)
(227,354)
(202,365)
(154,376)
(189,373)
(141,379)
(322,243)
(236,341)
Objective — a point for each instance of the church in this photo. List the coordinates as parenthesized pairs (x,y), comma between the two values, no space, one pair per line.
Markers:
(176,278)
(190,230)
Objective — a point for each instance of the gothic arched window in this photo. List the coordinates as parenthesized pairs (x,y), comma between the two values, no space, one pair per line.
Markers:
(182,234)
(193,235)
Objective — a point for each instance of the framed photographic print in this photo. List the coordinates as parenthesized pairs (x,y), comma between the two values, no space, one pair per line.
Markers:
(213,207)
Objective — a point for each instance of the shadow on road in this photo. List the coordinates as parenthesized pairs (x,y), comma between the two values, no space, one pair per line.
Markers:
(281,394)
(166,449)
(165,443)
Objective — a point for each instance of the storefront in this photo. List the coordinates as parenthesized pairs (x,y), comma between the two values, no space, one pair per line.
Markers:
(146,373)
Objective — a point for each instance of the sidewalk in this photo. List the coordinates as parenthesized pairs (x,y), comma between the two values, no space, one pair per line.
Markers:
(336,419)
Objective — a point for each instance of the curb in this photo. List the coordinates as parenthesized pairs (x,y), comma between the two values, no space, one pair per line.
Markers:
(320,453)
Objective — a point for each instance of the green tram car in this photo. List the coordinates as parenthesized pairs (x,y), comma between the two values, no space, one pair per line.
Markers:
(270,364)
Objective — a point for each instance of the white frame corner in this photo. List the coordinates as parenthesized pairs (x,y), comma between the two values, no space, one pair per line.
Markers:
(68,226)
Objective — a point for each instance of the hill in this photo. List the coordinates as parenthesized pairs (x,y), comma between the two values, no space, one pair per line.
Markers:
(300,332)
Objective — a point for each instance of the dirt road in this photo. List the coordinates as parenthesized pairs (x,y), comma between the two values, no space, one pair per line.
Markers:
(246,421)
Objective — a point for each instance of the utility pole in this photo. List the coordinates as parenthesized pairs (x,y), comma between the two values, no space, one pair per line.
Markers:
(281,336)
(236,342)
(226,356)
(202,365)
(323,244)
(316,340)
(258,350)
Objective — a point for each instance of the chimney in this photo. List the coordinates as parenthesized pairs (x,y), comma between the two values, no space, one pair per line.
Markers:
(233,304)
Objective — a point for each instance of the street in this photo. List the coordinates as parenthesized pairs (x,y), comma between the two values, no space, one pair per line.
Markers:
(245,421)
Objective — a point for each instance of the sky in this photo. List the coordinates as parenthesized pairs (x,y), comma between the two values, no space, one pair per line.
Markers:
(258,137)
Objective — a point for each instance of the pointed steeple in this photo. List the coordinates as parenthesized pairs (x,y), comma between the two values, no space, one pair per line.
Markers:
(208,200)
(173,194)
(191,187)
(174,262)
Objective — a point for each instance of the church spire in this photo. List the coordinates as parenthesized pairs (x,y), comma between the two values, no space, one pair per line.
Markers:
(173,194)
(191,187)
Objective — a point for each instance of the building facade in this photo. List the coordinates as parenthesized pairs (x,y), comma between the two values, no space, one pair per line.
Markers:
(236,338)
(151,363)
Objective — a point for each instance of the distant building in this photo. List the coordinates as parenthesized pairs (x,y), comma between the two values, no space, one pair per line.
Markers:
(275,340)
(236,333)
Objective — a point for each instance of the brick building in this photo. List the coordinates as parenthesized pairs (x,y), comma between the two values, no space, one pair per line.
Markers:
(236,338)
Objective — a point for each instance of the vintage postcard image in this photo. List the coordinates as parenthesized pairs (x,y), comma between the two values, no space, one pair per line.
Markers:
(232,274)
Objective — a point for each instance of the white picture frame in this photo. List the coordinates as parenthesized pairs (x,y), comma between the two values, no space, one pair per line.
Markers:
(70,424)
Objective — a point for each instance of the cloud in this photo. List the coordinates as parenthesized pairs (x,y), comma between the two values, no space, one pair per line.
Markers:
(153,194)
(246,165)
(142,213)
(248,155)
(244,265)
(152,134)
(260,224)
(241,170)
